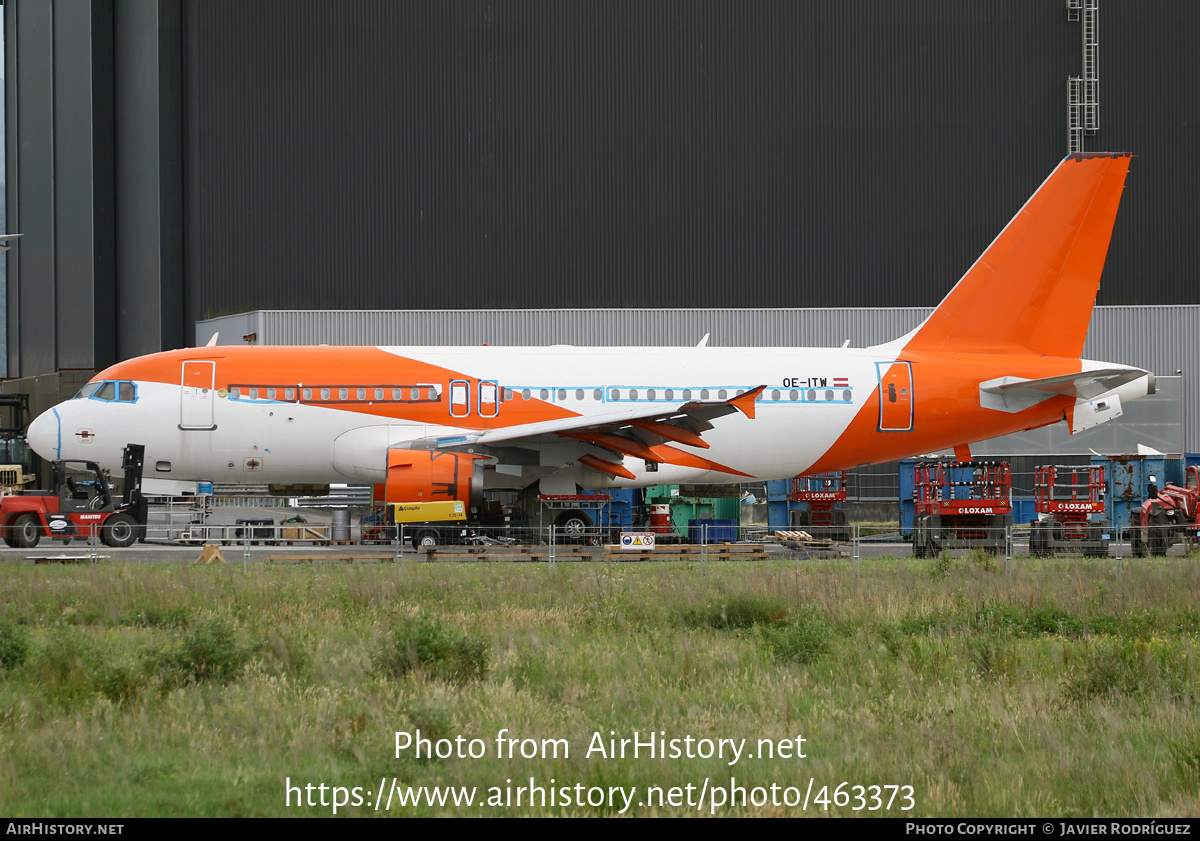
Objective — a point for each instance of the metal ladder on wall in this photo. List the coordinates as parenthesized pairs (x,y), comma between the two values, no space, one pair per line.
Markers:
(1083,92)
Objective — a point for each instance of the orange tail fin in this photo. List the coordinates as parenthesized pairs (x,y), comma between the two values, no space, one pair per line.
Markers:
(1034,287)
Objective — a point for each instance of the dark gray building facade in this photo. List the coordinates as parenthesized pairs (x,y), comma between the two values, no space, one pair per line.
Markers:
(176,160)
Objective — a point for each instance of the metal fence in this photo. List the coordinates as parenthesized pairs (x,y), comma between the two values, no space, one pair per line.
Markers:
(715,542)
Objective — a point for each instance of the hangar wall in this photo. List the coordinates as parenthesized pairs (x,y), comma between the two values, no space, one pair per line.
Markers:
(94,168)
(171,160)
(1164,340)
(721,153)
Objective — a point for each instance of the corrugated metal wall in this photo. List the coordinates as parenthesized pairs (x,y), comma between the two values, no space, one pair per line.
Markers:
(1164,340)
(660,153)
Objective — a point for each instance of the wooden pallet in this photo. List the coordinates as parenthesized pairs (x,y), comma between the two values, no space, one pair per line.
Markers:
(802,540)
(345,559)
(724,552)
(64,559)
(690,548)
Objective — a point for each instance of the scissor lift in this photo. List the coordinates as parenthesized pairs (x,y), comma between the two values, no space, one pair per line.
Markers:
(961,504)
(823,496)
(1071,498)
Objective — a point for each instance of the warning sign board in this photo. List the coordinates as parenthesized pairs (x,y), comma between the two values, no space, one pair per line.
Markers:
(637,540)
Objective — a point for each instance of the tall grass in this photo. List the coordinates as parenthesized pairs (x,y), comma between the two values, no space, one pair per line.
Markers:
(178,690)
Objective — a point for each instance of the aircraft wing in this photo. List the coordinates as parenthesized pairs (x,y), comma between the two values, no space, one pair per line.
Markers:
(683,423)
(649,433)
(1014,394)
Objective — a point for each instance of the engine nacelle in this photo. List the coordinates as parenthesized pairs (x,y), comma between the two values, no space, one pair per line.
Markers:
(434,476)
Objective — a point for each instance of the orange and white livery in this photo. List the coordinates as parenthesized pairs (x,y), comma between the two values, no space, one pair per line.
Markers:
(999,355)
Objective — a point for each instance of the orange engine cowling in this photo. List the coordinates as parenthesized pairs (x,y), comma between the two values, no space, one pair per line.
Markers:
(434,476)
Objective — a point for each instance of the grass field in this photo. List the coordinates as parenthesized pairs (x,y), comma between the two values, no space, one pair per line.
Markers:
(130,690)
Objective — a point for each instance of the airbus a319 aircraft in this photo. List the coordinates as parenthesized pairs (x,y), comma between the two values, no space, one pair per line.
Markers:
(1000,354)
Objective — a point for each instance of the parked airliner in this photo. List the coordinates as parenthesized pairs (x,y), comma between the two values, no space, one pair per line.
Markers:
(1000,354)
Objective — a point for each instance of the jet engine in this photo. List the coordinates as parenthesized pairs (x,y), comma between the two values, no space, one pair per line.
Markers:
(434,476)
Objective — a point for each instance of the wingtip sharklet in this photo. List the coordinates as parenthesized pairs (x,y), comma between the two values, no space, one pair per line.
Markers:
(744,403)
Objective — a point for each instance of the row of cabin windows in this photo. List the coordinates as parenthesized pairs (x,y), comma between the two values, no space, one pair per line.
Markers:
(810,396)
(616,394)
(414,393)
(411,393)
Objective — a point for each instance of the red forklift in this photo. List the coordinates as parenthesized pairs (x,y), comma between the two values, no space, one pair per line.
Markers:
(1169,515)
(1072,499)
(824,497)
(81,504)
(961,504)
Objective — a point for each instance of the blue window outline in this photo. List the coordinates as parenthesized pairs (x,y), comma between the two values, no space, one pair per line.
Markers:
(116,391)
(466,404)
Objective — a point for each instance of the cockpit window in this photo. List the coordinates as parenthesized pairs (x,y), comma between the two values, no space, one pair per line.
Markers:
(110,391)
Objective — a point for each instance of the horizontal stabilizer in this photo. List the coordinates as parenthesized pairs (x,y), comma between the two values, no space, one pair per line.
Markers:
(1015,394)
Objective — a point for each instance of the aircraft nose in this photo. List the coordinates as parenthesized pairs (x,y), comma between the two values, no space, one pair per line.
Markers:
(45,435)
